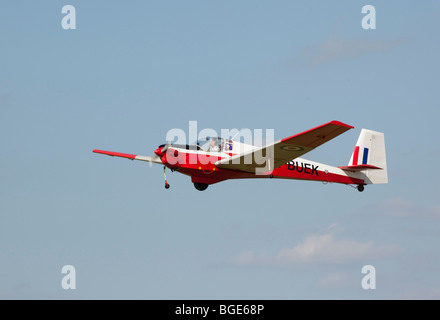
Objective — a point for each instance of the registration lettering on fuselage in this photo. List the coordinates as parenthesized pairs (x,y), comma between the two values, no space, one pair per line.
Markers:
(307,168)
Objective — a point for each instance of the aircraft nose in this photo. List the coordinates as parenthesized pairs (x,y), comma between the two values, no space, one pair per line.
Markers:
(159,152)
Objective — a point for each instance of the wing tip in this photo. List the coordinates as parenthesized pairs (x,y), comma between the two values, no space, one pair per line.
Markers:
(116,154)
(339,123)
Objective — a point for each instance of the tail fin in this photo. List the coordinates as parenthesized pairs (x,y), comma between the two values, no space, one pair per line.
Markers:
(369,157)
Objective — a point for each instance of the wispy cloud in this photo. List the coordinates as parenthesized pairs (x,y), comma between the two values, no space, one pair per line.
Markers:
(335,47)
(326,248)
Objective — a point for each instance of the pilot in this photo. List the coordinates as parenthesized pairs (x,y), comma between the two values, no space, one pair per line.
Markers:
(213,146)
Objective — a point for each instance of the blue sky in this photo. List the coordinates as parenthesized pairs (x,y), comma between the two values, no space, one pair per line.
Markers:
(132,71)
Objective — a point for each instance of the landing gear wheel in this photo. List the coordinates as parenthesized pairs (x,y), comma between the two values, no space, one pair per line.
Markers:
(167,186)
(360,187)
(271,176)
(200,186)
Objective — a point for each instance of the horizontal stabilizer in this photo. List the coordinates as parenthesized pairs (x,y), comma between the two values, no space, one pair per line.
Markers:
(359,167)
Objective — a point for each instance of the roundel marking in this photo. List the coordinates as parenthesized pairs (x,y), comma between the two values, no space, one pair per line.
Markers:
(291,148)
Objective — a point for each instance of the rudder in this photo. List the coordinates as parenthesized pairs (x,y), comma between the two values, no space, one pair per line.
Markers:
(369,157)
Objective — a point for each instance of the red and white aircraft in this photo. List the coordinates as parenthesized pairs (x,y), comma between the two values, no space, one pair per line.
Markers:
(218,159)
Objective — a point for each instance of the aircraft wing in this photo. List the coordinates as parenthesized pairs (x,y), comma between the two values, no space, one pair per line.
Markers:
(154,159)
(272,156)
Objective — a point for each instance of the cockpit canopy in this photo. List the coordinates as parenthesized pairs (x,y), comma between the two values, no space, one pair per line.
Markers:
(210,144)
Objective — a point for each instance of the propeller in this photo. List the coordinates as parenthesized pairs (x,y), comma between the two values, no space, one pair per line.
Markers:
(165,148)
